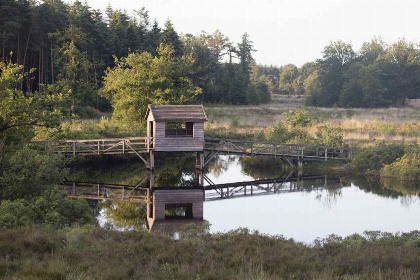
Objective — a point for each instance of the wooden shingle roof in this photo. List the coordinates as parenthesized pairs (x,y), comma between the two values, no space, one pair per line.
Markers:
(177,113)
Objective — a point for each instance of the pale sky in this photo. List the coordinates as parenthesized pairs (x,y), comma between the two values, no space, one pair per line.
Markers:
(286,31)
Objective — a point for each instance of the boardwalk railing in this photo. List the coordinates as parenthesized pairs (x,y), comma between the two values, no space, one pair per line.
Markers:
(288,151)
(106,192)
(127,145)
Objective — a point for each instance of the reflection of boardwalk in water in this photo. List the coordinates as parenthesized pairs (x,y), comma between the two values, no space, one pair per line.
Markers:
(101,191)
(138,194)
(168,208)
(270,186)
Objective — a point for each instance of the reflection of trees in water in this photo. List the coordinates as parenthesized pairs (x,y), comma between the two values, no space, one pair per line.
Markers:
(125,215)
(263,167)
(407,192)
(108,169)
(175,171)
(330,198)
(219,165)
(403,187)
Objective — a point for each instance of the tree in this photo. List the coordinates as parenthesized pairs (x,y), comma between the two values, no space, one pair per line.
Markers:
(370,51)
(75,70)
(289,73)
(141,79)
(171,38)
(337,58)
(244,51)
(21,111)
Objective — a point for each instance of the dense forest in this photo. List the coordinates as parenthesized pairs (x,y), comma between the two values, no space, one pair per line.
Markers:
(70,46)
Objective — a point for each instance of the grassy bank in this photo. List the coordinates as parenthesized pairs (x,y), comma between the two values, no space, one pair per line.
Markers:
(94,253)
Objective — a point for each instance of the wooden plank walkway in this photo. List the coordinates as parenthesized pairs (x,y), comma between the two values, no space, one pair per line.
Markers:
(277,150)
(127,145)
(215,146)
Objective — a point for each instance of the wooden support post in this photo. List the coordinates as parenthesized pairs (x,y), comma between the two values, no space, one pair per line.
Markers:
(151,177)
(300,167)
(151,160)
(326,154)
(74,148)
(99,149)
(151,173)
(123,146)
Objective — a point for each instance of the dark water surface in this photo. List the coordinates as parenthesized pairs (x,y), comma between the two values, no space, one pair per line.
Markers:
(303,211)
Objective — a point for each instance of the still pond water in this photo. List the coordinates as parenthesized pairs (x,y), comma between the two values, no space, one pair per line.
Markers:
(340,206)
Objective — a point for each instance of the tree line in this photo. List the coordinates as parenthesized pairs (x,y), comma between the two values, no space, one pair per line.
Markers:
(70,46)
(378,75)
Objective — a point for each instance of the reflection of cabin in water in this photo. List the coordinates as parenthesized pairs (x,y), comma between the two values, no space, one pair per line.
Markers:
(176,128)
(168,205)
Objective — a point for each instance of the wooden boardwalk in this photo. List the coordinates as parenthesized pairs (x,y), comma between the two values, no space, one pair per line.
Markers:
(277,150)
(214,146)
(109,146)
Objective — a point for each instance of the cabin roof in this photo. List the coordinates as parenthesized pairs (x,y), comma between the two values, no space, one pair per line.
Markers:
(175,113)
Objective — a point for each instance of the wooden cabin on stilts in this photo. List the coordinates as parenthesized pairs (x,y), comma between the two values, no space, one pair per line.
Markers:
(176,128)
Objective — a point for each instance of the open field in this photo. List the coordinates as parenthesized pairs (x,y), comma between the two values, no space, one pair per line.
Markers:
(360,124)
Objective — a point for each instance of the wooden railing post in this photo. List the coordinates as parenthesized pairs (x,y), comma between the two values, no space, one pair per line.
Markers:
(99,148)
(326,154)
(123,144)
(74,148)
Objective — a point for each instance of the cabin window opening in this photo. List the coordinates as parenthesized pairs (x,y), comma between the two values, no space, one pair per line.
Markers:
(151,210)
(179,129)
(178,210)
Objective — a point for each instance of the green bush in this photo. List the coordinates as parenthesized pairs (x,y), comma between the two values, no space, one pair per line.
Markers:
(28,173)
(53,208)
(406,168)
(372,159)
(297,118)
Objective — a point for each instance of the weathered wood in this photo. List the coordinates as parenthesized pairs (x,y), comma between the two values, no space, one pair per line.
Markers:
(284,151)
(96,146)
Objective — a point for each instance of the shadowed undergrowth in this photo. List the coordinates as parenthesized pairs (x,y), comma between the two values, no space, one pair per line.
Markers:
(94,253)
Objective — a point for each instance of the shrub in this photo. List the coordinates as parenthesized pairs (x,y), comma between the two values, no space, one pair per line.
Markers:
(406,168)
(372,159)
(297,118)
